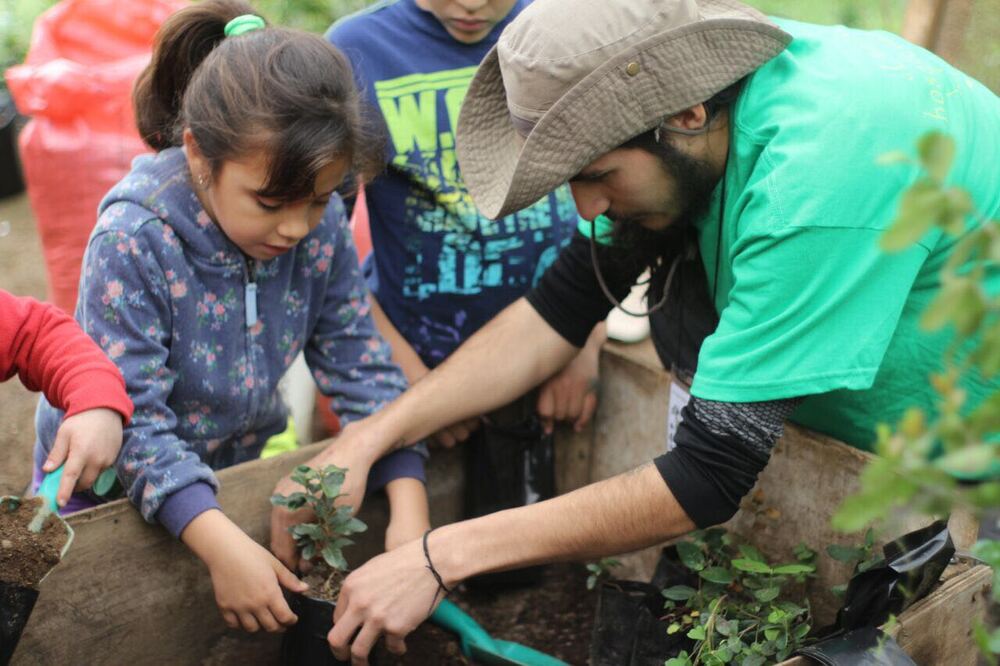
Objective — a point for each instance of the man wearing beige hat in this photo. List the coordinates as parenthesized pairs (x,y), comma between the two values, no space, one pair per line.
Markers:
(736,158)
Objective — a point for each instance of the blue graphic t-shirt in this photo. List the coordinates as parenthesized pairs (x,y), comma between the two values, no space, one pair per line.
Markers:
(439,269)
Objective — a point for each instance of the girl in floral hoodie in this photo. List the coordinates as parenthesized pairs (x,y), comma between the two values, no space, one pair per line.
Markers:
(215,262)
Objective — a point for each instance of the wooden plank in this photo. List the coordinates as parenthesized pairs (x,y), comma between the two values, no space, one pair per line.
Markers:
(127,592)
(125,581)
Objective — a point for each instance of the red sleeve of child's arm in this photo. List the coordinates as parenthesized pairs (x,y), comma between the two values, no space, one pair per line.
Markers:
(49,351)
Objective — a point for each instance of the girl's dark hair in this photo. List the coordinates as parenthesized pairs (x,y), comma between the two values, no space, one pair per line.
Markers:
(286,92)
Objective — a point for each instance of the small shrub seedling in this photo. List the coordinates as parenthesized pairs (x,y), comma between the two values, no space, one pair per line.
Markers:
(321,542)
(600,570)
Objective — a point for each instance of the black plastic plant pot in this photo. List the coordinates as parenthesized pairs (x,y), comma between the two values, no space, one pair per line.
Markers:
(304,643)
(11,181)
(16,604)
(628,630)
(508,465)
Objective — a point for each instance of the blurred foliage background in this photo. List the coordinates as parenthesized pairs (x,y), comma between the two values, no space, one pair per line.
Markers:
(980,56)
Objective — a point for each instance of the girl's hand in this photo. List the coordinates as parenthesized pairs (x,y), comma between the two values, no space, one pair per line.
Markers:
(88,442)
(247,578)
(409,514)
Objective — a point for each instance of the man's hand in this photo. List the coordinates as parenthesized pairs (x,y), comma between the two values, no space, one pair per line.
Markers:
(571,394)
(390,595)
(346,451)
(88,442)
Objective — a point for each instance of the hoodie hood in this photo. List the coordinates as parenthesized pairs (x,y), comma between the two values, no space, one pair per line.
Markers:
(161,184)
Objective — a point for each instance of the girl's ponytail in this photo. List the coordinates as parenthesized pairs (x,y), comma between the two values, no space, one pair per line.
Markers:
(182,43)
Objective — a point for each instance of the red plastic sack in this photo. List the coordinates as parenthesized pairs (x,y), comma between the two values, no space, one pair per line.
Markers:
(76,84)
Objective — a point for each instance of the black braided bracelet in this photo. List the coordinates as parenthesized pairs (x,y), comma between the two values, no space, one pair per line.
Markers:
(430,567)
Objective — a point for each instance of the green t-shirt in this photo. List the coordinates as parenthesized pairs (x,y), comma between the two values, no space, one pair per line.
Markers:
(809,304)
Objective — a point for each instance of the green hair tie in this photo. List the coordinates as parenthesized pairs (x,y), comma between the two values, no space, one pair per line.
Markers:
(243,24)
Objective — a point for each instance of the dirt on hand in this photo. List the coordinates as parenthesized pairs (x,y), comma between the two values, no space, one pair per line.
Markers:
(25,557)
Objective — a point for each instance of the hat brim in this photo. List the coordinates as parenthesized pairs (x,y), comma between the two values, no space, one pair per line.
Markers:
(506,172)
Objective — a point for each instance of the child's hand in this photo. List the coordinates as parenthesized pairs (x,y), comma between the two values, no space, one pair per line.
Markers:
(88,442)
(409,516)
(247,578)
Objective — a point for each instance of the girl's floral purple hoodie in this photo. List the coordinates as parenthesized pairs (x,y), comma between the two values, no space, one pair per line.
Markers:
(202,335)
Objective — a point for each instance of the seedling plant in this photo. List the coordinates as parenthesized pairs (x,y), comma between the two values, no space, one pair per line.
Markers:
(321,542)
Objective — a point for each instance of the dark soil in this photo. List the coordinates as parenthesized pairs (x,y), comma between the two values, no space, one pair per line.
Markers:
(323,584)
(555,617)
(25,557)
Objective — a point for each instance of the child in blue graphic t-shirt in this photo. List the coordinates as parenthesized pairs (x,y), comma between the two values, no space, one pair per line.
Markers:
(439,269)
(213,263)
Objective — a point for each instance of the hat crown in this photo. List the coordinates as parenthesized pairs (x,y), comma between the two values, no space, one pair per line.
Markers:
(553,44)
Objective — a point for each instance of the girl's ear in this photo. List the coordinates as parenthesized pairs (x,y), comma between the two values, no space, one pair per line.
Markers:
(200,168)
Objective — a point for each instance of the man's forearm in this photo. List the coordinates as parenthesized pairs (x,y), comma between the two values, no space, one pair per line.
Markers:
(621,514)
(512,354)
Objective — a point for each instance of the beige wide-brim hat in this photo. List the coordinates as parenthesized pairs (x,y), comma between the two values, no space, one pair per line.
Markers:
(570,80)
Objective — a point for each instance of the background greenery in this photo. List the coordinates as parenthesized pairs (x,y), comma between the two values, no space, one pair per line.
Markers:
(981,58)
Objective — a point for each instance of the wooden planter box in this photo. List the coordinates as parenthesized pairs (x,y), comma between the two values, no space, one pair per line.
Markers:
(129,593)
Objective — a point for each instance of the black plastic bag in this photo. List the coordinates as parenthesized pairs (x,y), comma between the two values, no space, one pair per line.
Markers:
(304,643)
(16,604)
(866,646)
(913,565)
(509,462)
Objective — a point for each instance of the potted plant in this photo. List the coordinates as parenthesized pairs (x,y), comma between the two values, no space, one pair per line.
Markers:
(321,543)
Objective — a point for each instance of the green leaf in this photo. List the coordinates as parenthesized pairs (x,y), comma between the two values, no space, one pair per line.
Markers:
(697,633)
(801,631)
(777,616)
(804,553)
(720,575)
(970,459)
(591,581)
(691,555)
(839,590)
(354,526)
(753,660)
(681,659)
(332,481)
(845,553)
(892,157)
(334,558)
(751,553)
(988,551)
(794,569)
(309,551)
(772,633)
(673,628)
(753,566)
(767,594)
(957,206)
(679,592)
(920,207)
(936,151)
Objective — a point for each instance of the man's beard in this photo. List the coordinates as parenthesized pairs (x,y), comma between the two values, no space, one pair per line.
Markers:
(695,180)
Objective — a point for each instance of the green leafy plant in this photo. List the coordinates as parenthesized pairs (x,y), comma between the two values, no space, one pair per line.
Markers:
(321,541)
(919,459)
(600,570)
(862,557)
(736,611)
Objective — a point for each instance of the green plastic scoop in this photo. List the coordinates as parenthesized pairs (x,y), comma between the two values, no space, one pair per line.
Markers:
(483,648)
